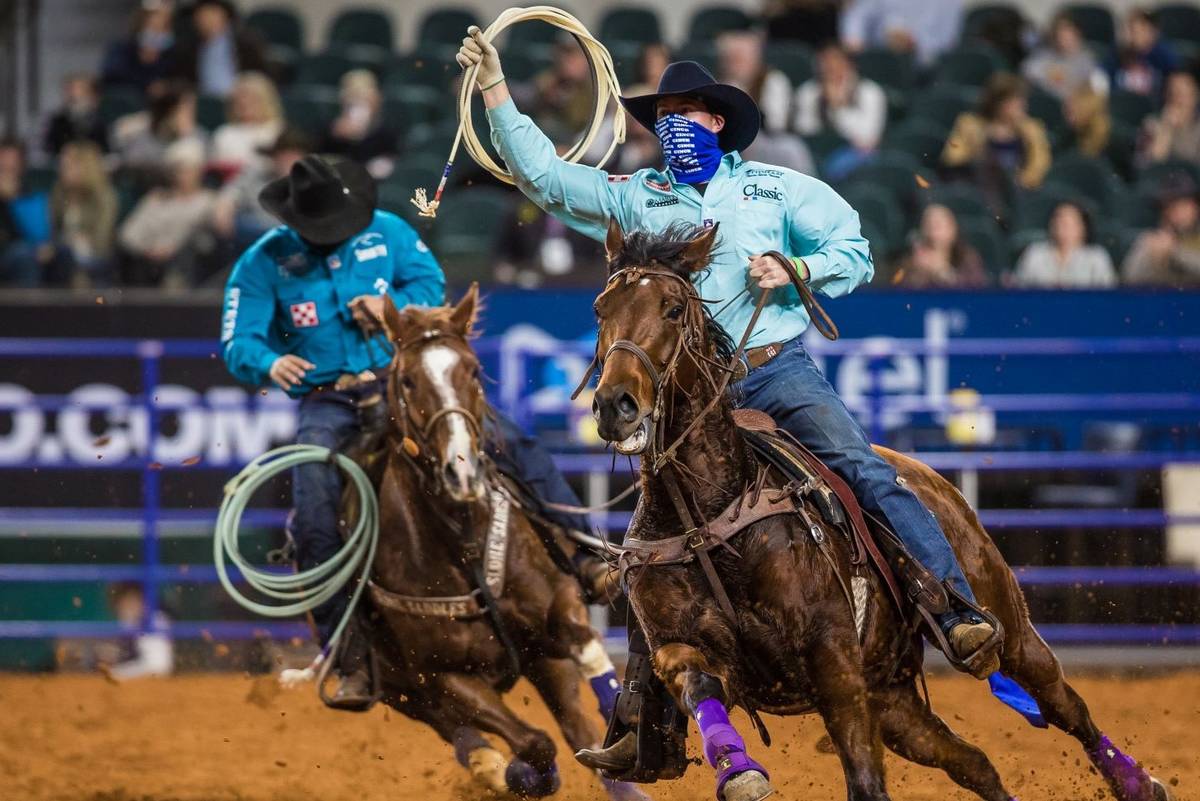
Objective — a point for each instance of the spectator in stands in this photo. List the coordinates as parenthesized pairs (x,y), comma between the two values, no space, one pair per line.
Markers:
(162,239)
(78,118)
(238,218)
(1086,112)
(1067,260)
(140,140)
(255,119)
(839,100)
(740,63)
(147,56)
(641,148)
(218,49)
(25,246)
(999,143)
(924,28)
(536,250)
(83,210)
(562,94)
(1063,65)
(652,61)
(1169,256)
(1144,60)
(939,257)
(811,22)
(359,132)
(1174,133)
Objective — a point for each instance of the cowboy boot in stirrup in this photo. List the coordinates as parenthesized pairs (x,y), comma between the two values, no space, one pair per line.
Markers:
(975,645)
(356,691)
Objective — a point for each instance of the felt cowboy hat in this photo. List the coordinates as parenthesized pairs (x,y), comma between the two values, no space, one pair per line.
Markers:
(687,78)
(325,199)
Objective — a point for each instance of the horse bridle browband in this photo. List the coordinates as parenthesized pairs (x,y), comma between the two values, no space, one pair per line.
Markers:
(423,431)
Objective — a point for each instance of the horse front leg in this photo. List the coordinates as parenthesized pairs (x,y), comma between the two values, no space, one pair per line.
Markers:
(834,666)
(700,688)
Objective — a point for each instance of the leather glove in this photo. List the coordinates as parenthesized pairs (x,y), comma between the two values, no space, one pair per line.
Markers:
(476,50)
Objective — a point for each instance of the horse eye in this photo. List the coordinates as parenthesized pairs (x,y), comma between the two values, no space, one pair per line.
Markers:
(406,382)
(675,313)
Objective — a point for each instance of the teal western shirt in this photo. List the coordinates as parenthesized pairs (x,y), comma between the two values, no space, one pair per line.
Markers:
(283,298)
(760,207)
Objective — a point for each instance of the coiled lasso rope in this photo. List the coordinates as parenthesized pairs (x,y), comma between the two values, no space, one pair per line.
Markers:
(304,591)
(607,89)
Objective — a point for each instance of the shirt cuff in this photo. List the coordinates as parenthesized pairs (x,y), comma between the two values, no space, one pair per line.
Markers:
(264,365)
(817,264)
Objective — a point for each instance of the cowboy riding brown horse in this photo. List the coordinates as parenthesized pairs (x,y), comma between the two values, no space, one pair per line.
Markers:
(467,596)
(748,594)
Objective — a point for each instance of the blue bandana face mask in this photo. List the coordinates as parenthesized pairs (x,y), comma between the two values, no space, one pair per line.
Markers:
(691,149)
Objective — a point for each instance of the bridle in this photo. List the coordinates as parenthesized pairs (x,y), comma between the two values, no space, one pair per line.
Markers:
(402,409)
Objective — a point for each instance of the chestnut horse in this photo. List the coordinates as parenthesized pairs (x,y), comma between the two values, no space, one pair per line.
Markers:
(794,646)
(445,660)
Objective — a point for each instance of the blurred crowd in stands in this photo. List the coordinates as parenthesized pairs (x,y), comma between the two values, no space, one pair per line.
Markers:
(978,150)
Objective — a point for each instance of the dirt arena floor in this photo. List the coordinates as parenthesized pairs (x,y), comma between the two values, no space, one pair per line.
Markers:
(237,738)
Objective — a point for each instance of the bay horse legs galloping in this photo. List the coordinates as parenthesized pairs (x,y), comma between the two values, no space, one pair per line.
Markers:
(467,594)
(768,620)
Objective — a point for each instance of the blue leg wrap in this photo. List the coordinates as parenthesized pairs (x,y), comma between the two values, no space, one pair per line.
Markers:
(606,687)
(1014,695)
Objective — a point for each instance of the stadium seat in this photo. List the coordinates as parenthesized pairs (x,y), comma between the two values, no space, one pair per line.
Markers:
(1153,176)
(822,143)
(1129,107)
(898,172)
(278,26)
(1091,177)
(1117,239)
(1121,149)
(625,56)
(709,22)
(793,60)
(466,229)
(1095,21)
(534,32)
(1179,22)
(986,237)
(1046,107)
(446,26)
(874,202)
(1033,207)
(435,137)
(323,69)
(39,179)
(407,106)
(117,101)
(629,24)
(922,140)
(362,26)
(887,68)
(940,105)
(700,51)
(969,65)
(210,112)
(396,191)
(980,19)
(310,107)
(433,66)
(965,200)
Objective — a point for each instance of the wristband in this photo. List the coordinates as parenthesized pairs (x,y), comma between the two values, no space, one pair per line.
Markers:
(492,85)
(801,268)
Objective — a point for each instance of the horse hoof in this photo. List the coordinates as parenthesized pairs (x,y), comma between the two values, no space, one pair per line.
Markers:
(1161,793)
(747,786)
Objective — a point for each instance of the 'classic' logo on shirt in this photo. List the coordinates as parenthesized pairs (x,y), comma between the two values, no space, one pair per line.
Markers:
(656,203)
(755,192)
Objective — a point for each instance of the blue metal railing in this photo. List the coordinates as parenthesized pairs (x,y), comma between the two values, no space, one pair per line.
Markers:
(152,517)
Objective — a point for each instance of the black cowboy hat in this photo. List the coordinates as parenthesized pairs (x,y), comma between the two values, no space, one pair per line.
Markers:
(687,78)
(325,199)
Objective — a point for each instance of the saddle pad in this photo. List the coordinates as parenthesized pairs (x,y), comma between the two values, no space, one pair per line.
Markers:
(799,464)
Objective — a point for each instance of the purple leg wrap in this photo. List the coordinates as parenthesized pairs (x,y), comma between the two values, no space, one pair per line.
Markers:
(623,791)
(465,741)
(525,780)
(606,687)
(1128,780)
(723,746)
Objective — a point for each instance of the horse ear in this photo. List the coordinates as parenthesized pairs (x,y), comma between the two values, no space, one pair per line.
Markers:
(614,243)
(463,316)
(392,323)
(698,253)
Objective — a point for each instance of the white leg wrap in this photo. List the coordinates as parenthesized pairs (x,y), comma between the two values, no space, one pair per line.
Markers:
(593,659)
(487,766)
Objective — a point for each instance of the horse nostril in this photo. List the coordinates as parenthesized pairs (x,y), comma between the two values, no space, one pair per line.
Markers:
(595,407)
(627,406)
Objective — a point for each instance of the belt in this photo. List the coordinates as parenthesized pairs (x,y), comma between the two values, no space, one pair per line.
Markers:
(757,357)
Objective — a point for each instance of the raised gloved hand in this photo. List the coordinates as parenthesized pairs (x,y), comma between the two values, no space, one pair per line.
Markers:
(477,50)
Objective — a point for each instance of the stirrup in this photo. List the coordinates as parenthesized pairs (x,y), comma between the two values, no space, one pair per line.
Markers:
(354,703)
(974,662)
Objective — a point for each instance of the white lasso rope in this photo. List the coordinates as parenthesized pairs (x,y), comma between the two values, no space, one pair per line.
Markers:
(605,82)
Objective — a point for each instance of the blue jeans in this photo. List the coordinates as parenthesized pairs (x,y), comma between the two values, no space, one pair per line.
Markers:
(793,391)
(330,419)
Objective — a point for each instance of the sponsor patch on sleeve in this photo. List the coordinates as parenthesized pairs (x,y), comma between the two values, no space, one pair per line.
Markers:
(617,179)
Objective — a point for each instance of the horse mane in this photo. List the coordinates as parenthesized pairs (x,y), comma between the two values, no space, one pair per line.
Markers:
(663,251)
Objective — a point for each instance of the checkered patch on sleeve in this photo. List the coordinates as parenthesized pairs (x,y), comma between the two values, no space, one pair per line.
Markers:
(304,315)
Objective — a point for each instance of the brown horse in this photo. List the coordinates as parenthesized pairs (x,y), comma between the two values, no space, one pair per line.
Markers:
(445,658)
(795,645)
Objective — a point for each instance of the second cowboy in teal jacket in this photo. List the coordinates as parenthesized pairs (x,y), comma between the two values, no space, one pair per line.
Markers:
(702,126)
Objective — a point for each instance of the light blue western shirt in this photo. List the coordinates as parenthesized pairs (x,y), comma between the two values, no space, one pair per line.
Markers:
(760,207)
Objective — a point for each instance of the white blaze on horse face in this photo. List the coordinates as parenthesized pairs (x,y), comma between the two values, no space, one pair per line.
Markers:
(439,362)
